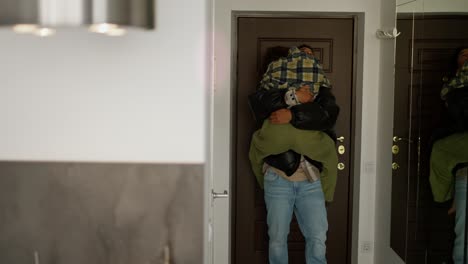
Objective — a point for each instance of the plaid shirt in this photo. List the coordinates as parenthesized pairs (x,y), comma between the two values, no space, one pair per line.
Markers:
(294,71)
(459,81)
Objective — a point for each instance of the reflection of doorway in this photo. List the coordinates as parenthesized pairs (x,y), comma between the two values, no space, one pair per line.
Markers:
(332,39)
(421,231)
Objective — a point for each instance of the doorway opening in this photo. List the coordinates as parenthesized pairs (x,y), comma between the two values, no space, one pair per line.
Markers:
(334,38)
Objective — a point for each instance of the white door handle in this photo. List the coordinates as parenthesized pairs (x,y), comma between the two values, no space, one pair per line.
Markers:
(215,195)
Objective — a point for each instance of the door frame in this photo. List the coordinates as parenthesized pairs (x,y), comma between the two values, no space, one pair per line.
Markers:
(356,108)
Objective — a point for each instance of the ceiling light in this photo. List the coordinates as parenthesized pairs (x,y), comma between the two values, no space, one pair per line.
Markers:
(44,32)
(116,32)
(102,27)
(25,28)
(101,16)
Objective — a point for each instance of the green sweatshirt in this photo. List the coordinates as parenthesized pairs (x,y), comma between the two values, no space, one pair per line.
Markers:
(446,154)
(275,139)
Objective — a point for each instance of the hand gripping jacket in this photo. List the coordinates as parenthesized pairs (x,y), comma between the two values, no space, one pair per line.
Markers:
(321,114)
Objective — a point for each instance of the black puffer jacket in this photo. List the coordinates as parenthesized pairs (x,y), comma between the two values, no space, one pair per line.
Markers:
(321,114)
(455,119)
(457,105)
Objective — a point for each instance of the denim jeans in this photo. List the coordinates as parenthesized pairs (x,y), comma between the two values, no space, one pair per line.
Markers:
(460,203)
(306,200)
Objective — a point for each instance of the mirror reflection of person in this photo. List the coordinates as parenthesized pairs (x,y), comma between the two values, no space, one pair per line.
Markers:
(449,156)
(289,154)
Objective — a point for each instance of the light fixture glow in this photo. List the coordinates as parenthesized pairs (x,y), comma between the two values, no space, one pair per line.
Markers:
(102,28)
(44,32)
(116,32)
(25,28)
(103,15)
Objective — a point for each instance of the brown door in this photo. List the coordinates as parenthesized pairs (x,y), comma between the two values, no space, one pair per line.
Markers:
(421,231)
(332,40)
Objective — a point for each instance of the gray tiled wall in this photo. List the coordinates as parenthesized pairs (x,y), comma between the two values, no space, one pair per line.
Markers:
(84,213)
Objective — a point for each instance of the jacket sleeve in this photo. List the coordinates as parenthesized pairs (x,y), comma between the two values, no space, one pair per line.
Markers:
(457,106)
(264,102)
(321,114)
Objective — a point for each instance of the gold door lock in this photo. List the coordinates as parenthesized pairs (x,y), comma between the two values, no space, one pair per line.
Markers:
(341,149)
(395,149)
(341,166)
(395,166)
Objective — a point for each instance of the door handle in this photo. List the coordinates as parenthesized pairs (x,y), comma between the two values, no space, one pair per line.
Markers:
(398,139)
(216,195)
(395,166)
(340,139)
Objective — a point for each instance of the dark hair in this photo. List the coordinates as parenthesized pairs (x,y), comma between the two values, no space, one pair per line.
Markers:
(305,46)
(453,67)
(273,54)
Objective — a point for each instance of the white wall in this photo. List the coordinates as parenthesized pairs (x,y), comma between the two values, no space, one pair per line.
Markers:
(83,97)
(383,253)
(371,87)
(432,6)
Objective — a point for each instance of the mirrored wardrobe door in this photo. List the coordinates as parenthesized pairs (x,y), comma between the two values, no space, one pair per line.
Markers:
(405,143)
(443,33)
(425,228)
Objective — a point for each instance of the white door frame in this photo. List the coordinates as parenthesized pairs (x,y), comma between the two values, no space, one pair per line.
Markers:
(218,165)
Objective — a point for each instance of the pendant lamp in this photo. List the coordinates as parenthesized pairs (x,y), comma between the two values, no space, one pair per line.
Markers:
(44,17)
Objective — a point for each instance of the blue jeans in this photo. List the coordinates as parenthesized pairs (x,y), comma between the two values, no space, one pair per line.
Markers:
(306,199)
(460,203)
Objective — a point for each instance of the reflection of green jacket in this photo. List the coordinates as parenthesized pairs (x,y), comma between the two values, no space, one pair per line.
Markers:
(275,139)
(446,154)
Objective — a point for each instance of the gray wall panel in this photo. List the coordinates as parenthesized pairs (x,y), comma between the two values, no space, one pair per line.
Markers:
(75,213)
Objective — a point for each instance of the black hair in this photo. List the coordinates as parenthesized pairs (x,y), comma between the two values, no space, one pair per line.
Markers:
(305,46)
(273,54)
(453,67)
